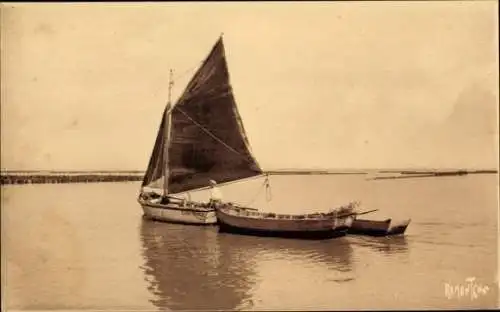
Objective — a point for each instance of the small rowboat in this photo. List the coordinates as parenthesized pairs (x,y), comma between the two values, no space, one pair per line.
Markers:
(378,228)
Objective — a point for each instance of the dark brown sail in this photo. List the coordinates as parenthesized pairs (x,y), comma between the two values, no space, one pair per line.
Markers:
(207,138)
(155,171)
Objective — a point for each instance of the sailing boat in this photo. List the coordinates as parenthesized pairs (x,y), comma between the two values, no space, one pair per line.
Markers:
(200,138)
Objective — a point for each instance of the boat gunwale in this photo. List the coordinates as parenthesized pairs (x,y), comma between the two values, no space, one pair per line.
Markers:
(386,221)
(184,208)
(329,217)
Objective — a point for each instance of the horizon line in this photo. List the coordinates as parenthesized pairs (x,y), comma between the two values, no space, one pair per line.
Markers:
(278,169)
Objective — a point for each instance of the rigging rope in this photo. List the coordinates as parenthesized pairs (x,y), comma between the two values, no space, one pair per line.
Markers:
(211,134)
(267,186)
(174,77)
(198,124)
(184,73)
(269,194)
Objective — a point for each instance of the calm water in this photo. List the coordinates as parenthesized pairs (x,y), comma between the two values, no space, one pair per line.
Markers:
(86,246)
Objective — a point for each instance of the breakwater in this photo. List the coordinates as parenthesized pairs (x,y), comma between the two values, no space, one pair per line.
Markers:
(40,178)
(427,174)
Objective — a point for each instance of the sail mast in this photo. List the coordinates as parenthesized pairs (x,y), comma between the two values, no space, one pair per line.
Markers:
(167,129)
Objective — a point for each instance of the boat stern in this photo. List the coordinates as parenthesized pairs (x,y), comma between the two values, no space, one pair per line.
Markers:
(398,227)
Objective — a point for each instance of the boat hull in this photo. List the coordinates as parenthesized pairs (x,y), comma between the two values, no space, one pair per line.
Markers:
(378,228)
(246,224)
(313,235)
(174,213)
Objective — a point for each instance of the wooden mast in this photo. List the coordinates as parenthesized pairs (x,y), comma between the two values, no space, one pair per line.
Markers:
(167,129)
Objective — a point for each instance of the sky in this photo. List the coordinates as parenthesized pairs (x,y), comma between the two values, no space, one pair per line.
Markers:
(318,85)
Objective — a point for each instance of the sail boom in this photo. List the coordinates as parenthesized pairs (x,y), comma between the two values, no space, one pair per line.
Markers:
(223,183)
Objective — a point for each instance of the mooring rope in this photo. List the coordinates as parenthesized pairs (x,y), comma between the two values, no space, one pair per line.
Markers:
(269,194)
(265,185)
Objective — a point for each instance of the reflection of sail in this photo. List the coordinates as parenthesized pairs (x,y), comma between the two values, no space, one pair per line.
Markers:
(190,268)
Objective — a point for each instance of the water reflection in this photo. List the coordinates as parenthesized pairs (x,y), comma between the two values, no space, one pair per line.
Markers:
(334,253)
(387,245)
(190,267)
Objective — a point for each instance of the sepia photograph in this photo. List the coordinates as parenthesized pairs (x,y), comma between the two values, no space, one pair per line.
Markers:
(253,156)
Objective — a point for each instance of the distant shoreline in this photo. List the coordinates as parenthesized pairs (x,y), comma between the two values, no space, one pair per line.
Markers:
(48,177)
